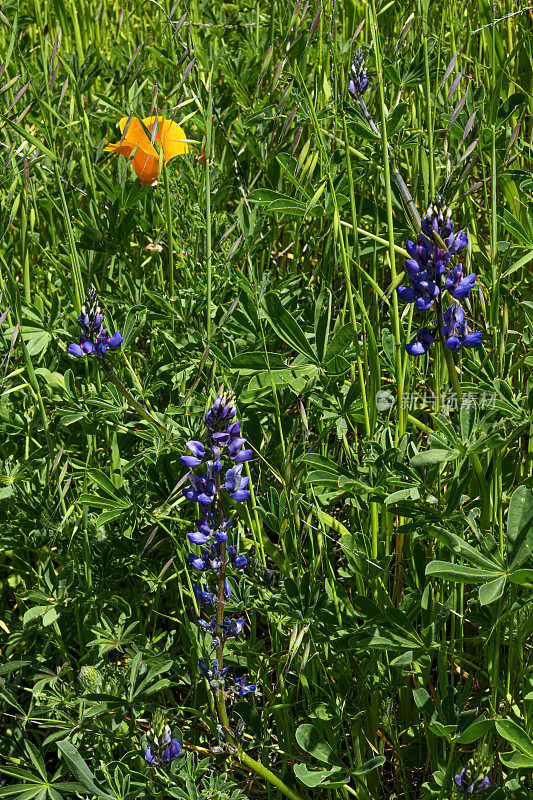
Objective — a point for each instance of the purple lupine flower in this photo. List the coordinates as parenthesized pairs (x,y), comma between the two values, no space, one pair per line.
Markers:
(198,452)
(94,339)
(236,485)
(172,749)
(202,489)
(241,687)
(427,262)
(421,344)
(455,329)
(212,672)
(357,77)
(232,627)
(469,784)
(458,286)
(203,595)
(238,561)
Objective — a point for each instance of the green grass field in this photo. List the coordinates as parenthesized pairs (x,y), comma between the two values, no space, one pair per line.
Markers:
(365,618)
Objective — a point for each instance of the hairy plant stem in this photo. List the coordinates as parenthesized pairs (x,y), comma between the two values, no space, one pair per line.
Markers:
(484,489)
(126,394)
(256,766)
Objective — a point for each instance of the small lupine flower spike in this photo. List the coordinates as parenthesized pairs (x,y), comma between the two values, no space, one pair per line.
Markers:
(427,262)
(357,77)
(94,339)
(473,778)
(162,747)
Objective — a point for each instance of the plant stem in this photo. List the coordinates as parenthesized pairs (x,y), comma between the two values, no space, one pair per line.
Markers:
(208,133)
(125,393)
(448,773)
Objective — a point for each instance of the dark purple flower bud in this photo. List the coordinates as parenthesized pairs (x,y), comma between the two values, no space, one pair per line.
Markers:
(242,456)
(421,344)
(175,749)
(406,294)
(472,339)
(198,538)
(75,350)
(197,563)
(412,266)
(453,343)
(459,242)
(114,342)
(235,445)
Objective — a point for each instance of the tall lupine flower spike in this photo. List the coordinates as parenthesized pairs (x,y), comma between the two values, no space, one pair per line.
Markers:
(222,451)
(94,339)
(429,257)
(223,446)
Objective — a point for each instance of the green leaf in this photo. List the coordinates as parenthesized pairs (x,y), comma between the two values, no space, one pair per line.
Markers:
(523,577)
(368,766)
(516,760)
(339,343)
(30,138)
(81,771)
(394,119)
(313,742)
(492,591)
(458,573)
(509,106)
(33,613)
(516,735)
(286,326)
(12,666)
(257,362)
(104,483)
(50,617)
(318,777)
(475,731)
(430,457)
(520,527)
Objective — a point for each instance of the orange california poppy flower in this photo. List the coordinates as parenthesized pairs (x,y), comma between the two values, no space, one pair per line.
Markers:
(170,137)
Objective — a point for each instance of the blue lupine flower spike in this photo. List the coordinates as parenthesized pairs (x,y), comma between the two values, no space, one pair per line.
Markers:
(162,747)
(94,339)
(428,260)
(473,779)
(357,77)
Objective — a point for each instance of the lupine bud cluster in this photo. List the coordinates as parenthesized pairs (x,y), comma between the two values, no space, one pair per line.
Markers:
(94,339)
(428,262)
(224,441)
(357,77)
(162,748)
(473,778)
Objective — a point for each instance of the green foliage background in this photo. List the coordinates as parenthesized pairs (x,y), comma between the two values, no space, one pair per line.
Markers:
(395,637)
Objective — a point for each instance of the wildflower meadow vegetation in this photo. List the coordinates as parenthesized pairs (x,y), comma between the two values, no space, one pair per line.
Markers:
(266,400)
